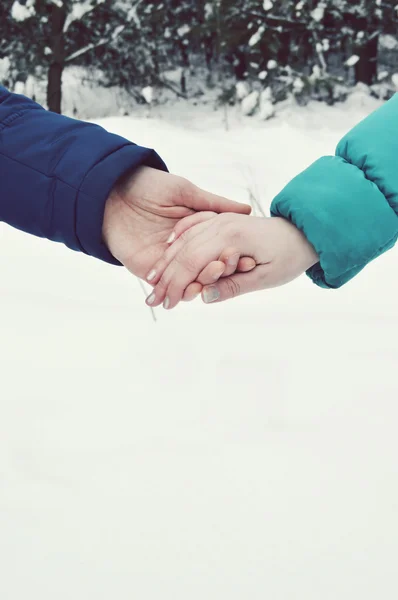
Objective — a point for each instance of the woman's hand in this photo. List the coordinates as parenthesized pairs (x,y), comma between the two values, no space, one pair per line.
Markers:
(280,251)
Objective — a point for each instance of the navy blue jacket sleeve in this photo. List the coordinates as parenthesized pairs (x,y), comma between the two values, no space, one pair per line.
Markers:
(56,173)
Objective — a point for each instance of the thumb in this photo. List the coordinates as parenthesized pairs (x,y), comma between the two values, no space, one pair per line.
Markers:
(202,200)
(235,285)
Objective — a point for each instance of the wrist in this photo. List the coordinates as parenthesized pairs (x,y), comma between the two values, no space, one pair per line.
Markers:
(108,226)
(310,256)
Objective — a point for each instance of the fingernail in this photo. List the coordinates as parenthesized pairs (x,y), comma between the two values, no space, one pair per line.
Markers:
(166,303)
(151,275)
(151,299)
(171,238)
(233,259)
(210,294)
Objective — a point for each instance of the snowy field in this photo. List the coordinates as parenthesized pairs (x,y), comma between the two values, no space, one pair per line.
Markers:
(240,451)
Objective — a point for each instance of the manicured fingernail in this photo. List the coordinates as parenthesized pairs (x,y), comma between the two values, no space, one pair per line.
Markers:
(151,275)
(210,294)
(171,238)
(166,303)
(233,259)
(151,299)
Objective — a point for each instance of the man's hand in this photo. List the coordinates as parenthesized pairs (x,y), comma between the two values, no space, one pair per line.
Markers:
(143,210)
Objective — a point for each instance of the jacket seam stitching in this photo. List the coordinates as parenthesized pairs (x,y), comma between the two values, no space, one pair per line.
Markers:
(14,117)
(76,189)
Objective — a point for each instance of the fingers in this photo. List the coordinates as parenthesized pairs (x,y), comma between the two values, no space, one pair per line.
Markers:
(245,265)
(236,285)
(209,275)
(154,276)
(190,260)
(192,291)
(234,263)
(184,224)
(200,200)
(230,257)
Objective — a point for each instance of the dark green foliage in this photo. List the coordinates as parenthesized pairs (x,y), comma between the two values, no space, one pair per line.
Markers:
(298,48)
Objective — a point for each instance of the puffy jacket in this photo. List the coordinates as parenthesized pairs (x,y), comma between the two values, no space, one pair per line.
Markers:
(56,173)
(347,204)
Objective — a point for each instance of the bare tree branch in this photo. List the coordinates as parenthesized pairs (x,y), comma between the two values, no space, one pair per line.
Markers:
(86,49)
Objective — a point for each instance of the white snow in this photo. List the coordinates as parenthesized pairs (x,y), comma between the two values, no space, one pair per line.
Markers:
(208,10)
(389,42)
(19,87)
(256,37)
(316,72)
(4,67)
(183,30)
(352,61)
(147,94)
(117,31)
(246,450)
(267,109)
(250,103)
(242,90)
(78,10)
(298,85)
(394,79)
(263,75)
(268,5)
(21,12)
(318,13)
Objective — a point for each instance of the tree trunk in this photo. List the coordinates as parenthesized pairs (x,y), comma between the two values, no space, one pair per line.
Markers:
(366,67)
(54,87)
(185,67)
(57,44)
(239,61)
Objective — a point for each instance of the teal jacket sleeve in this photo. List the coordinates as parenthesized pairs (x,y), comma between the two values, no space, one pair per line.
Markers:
(347,204)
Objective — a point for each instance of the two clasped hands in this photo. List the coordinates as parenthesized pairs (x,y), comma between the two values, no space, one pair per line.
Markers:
(185,241)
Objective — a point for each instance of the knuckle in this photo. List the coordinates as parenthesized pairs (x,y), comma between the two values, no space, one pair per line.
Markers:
(163,282)
(233,287)
(186,189)
(185,236)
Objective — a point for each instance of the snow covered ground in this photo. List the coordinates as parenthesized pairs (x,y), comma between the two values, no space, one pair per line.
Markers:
(246,450)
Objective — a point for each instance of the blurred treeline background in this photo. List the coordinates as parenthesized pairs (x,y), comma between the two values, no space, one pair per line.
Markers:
(273,49)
